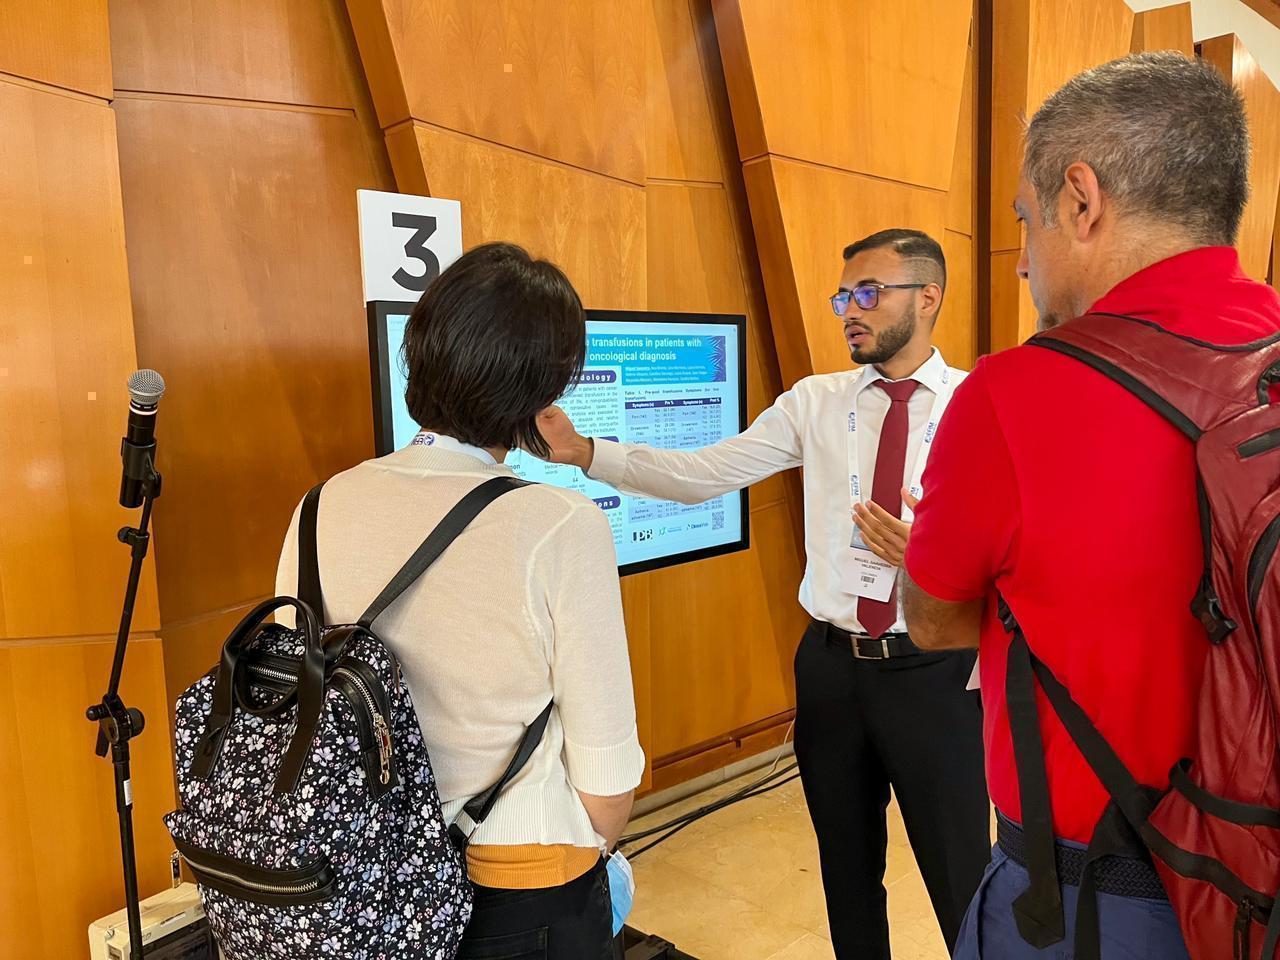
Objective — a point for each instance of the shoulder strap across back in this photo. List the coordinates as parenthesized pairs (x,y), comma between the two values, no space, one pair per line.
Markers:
(309,591)
(1200,383)
(454,522)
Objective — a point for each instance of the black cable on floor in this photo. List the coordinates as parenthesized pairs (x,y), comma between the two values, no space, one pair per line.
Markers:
(708,808)
(754,790)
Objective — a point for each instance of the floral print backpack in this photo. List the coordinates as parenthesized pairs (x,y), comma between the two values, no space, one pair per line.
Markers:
(309,815)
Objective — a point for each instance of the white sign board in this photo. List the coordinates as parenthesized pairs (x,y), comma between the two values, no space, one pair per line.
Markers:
(405,241)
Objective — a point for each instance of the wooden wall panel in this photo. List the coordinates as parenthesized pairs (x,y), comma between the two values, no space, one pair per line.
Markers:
(847,126)
(960,190)
(772,244)
(58,42)
(250,304)
(1165,28)
(591,225)
(193,646)
(1011,24)
(720,664)
(637,600)
(66,351)
(692,255)
(878,92)
(562,79)
(254,280)
(1275,251)
(59,839)
(757,693)
(1067,36)
(233,49)
(1262,103)
(684,141)
(67,338)
(809,197)
(1006,300)
(956,329)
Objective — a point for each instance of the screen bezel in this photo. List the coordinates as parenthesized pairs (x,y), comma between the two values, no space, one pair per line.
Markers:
(380,360)
(383,426)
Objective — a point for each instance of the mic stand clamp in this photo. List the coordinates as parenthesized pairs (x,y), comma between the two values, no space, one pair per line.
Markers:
(118,723)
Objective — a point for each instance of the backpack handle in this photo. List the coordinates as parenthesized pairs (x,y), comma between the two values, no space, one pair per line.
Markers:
(310,692)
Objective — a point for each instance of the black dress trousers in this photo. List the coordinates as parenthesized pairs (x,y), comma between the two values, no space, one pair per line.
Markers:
(908,724)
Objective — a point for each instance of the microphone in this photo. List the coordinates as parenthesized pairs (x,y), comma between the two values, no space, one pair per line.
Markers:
(138,448)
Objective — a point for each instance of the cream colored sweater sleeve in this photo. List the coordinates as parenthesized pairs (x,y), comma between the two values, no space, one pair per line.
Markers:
(574,573)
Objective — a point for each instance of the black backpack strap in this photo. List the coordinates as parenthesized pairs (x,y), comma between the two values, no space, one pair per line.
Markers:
(1273,934)
(1038,910)
(1127,816)
(308,559)
(479,807)
(455,521)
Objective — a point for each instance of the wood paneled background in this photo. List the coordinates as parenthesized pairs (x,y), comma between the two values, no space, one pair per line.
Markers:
(67,346)
(838,145)
(177,190)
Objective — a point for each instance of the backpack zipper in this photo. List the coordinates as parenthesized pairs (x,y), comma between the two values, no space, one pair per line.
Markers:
(273,674)
(1244,920)
(381,732)
(376,732)
(283,889)
(306,884)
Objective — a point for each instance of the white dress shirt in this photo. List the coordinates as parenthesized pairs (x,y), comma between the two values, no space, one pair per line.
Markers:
(806,427)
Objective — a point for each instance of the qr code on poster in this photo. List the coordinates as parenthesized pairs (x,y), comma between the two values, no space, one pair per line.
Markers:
(717,520)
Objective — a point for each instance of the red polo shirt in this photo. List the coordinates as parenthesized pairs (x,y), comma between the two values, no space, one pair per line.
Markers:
(1059,488)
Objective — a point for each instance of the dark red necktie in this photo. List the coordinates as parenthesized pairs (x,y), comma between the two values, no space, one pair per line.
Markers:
(878,616)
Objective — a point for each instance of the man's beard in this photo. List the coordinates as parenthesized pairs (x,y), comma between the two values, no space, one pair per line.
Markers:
(888,342)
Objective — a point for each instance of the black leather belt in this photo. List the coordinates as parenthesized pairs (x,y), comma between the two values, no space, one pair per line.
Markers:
(1118,876)
(887,647)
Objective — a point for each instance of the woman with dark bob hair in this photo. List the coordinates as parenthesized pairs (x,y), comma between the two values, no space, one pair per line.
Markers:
(522,609)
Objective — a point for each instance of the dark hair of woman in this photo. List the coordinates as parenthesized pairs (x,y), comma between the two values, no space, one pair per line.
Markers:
(496,338)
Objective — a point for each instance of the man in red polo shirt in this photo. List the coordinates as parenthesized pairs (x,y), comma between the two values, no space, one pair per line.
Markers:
(1060,490)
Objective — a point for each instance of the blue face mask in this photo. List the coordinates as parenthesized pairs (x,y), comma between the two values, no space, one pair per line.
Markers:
(622,889)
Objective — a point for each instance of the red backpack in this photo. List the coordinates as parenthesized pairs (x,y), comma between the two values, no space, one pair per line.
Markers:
(1215,834)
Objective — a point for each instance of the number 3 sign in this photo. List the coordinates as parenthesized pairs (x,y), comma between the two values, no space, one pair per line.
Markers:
(405,241)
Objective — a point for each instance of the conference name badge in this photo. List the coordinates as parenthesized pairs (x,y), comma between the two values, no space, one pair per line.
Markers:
(863,574)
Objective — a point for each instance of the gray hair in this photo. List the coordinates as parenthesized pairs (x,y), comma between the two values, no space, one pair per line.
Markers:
(1166,136)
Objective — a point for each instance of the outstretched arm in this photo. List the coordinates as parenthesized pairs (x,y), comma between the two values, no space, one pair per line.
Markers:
(771,444)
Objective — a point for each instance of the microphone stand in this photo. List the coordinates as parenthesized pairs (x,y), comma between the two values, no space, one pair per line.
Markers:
(117,723)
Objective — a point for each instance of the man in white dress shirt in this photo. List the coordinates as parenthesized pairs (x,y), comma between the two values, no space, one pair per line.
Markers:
(872,711)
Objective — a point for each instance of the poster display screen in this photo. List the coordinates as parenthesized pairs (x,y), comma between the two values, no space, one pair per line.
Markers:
(666,380)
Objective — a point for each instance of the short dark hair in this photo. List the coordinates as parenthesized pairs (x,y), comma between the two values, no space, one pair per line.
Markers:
(495,339)
(1167,137)
(923,253)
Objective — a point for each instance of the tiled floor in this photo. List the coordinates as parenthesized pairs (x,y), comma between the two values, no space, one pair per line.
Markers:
(743,883)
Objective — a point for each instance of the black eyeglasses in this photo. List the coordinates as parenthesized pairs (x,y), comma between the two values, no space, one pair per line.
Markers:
(867,295)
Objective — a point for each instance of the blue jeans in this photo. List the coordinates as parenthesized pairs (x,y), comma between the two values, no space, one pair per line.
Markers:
(1132,929)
